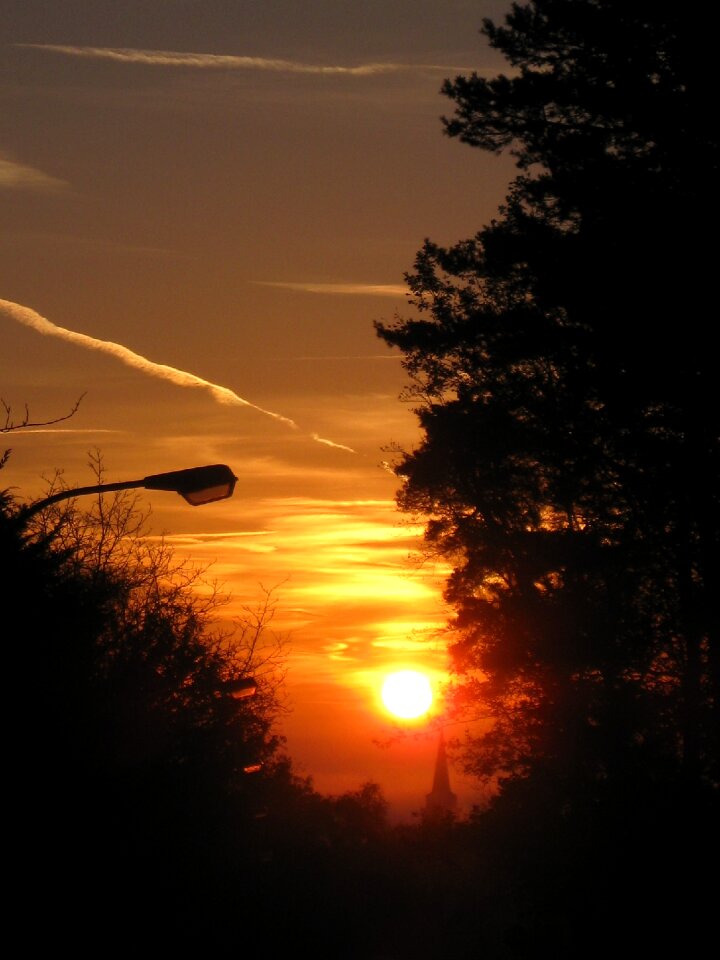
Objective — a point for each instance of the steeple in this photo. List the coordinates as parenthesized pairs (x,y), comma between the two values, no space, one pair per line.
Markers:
(441,799)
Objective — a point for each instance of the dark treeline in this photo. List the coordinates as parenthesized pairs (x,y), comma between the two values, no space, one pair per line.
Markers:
(560,365)
(562,371)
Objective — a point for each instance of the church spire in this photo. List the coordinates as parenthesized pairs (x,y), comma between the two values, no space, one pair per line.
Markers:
(441,799)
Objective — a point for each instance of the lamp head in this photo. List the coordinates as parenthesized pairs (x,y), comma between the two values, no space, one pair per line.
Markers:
(198,485)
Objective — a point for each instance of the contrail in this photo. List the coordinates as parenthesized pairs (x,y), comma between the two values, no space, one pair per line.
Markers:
(171,58)
(179,377)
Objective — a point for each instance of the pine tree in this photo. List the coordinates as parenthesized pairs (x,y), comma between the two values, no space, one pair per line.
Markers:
(561,364)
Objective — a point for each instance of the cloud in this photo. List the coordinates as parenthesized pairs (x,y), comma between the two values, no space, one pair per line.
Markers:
(351,356)
(180,378)
(72,431)
(353,289)
(19,176)
(91,245)
(212,61)
(330,443)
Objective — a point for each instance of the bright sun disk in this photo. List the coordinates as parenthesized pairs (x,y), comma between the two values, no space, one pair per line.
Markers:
(407,694)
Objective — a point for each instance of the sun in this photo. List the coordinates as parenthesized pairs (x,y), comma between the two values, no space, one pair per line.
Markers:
(407,694)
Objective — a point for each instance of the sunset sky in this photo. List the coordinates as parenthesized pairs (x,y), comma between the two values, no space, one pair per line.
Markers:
(205,205)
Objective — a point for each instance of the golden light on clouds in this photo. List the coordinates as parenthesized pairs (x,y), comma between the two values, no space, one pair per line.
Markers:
(348,585)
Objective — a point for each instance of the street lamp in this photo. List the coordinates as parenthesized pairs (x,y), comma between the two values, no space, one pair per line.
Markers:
(197,485)
(241,688)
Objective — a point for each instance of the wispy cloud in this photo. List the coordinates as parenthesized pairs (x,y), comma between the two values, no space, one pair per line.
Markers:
(70,431)
(19,176)
(331,443)
(93,245)
(213,61)
(353,357)
(352,289)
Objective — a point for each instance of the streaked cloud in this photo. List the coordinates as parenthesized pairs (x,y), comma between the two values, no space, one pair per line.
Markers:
(331,443)
(352,289)
(213,61)
(20,176)
(71,431)
(352,357)
(93,245)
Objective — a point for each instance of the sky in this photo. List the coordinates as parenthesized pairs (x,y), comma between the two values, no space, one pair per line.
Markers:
(205,205)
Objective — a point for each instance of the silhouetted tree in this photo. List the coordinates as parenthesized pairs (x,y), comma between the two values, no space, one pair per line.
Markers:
(129,791)
(562,368)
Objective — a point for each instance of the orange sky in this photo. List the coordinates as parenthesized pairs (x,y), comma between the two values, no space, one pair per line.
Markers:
(232,222)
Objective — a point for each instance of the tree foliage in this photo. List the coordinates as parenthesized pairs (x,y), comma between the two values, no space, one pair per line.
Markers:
(129,759)
(561,366)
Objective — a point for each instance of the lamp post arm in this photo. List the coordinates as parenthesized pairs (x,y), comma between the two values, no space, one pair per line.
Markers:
(34,508)
(197,485)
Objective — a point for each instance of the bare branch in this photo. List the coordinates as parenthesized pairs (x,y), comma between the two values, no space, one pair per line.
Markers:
(26,422)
